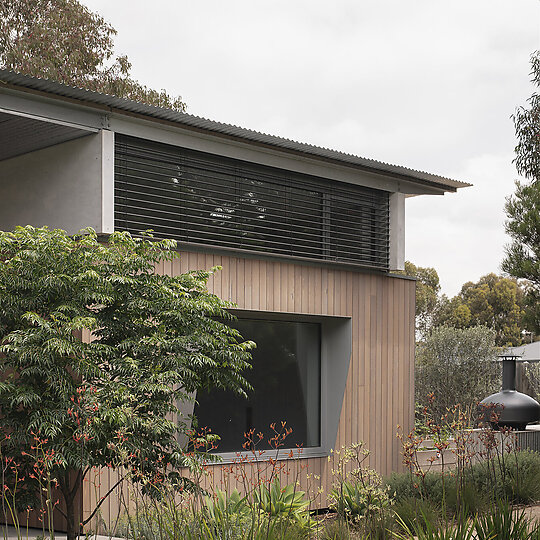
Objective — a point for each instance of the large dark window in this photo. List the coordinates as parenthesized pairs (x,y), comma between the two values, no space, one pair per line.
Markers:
(286,380)
(205,199)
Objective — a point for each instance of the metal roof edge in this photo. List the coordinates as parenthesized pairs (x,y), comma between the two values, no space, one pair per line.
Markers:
(129,107)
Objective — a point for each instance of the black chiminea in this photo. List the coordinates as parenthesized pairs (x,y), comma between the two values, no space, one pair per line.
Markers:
(513,409)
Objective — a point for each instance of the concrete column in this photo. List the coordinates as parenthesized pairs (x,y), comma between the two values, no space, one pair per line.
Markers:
(397,231)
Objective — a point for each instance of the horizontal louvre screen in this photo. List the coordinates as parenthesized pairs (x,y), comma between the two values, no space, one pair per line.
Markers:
(201,198)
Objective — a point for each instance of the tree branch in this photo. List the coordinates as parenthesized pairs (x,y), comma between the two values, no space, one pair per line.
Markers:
(61,511)
(102,500)
(86,471)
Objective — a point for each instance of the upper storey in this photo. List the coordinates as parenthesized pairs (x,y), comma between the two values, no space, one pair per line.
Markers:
(72,158)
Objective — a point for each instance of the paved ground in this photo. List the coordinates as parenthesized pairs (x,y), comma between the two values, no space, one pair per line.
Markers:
(530,511)
(11,534)
(533,511)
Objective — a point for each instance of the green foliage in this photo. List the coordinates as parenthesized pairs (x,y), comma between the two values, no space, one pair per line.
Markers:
(427,291)
(356,501)
(497,302)
(409,511)
(503,522)
(278,501)
(455,365)
(358,494)
(439,494)
(221,505)
(220,516)
(337,529)
(512,477)
(467,498)
(62,40)
(453,312)
(225,515)
(526,122)
(108,401)
(522,258)
(403,486)
(425,529)
(494,301)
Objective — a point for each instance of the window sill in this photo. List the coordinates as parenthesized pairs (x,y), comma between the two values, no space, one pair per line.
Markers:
(262,456)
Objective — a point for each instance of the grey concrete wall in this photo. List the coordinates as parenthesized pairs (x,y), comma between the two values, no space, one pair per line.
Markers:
(62,186)
(397,232)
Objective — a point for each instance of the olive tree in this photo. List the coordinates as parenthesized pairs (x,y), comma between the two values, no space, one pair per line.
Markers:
(110,400)
(456,366)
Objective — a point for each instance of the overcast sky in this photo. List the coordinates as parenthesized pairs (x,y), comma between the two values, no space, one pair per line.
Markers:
(422,83)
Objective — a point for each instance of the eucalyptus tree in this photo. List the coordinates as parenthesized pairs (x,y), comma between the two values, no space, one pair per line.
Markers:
(62,40)
(497,302)
(522,258)
(427,296)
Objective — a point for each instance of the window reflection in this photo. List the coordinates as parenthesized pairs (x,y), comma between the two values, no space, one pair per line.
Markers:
(286,380)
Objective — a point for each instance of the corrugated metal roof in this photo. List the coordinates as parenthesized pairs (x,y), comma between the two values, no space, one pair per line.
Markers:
(217,128)
(529,352)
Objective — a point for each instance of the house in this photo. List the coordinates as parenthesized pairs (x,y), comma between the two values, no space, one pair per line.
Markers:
(308,240)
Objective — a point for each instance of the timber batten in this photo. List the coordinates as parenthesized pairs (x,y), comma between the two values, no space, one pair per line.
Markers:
(379,389)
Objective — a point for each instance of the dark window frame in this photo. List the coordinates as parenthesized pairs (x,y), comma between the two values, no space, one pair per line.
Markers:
(336,350)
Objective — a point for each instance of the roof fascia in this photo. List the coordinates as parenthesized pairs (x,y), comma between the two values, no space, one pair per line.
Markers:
(52,107)
(176,135)
(49,109)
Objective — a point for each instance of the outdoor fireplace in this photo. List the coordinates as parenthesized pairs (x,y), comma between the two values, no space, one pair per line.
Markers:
(510,408)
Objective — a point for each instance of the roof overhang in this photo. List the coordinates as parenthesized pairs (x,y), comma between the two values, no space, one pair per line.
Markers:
(23,133)
(36,113)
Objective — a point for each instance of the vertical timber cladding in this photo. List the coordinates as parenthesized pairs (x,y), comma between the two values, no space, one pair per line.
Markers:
(204,199)
(379,390)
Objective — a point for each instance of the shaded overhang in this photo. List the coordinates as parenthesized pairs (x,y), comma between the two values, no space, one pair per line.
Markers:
(22,133)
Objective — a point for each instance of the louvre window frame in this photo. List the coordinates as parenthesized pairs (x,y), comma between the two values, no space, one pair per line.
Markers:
(305,217)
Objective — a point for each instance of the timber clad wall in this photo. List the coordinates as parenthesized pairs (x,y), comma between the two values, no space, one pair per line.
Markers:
(379,393)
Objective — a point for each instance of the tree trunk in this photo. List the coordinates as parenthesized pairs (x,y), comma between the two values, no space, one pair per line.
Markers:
(69,492)
(72,526)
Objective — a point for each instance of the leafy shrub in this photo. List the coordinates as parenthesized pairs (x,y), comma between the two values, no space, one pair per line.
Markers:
(514,477)
(404,486)
(503,522)
(356,501)
(455,365)
(469,500)
(409,512)
(358,493)
(276,501)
